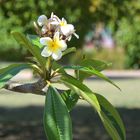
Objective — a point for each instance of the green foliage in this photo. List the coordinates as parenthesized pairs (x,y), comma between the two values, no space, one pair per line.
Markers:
(124,20)
(35,40)
(91,63)
(69,50)
(89,71)
(7,73)
(128,37)
(110,115)
(116,56)
(86,93)
(58,68)
(34,50)
(7,43)
(70,98)
(106,111)
(57,122)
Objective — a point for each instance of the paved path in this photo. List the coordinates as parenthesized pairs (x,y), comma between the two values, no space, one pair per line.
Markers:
(123,73)
(27,74)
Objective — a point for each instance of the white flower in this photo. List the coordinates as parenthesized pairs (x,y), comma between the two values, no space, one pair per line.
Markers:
(54,18)
(66,29)
(53,47)
(42,20)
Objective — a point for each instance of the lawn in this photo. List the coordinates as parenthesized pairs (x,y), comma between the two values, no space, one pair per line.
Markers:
(21,115)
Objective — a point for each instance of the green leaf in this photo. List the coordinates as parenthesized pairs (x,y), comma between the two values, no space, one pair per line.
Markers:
(91,71)
(34,50)
(7,73)
(74,67)
(91,63)
(57,122)
(58,67)
(69,50)
(106,111)
(70,98)
(84,91)
(96,64)
(111,119)
(35,40)
(100,75)
(36,69)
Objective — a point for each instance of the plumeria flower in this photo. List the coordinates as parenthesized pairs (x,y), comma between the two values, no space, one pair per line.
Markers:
(55,19)
(64,27)
(52,25)
(67,29)
(46,23)
(42,20)
(53,47)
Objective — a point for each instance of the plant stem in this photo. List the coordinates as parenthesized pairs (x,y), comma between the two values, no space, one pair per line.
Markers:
(48,66)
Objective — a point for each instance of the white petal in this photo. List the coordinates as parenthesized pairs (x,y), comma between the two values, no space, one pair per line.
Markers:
(64,30)
(42,20)
(67,29)
(56,36)
(45,40)
(71,27)
(57,55)
(69,38)
(64,21)
(52,15)
(54,23)
(56,18)
(63,45)
(44,29)
(46,52)
(76,35)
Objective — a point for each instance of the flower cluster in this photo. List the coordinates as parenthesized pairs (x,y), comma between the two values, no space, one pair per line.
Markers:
(54,34)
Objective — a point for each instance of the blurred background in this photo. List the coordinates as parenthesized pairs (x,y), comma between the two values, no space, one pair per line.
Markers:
(109,30)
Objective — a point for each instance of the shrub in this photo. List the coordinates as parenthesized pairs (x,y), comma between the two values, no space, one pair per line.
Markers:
(128,37)
(115,56)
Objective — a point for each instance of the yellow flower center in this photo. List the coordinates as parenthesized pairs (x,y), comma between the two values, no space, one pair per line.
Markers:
(62,23)
(54,46)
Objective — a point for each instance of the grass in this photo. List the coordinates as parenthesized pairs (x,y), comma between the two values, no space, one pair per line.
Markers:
(128,97)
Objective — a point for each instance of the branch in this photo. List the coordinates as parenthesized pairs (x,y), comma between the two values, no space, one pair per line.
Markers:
(39,87)
(34,88)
